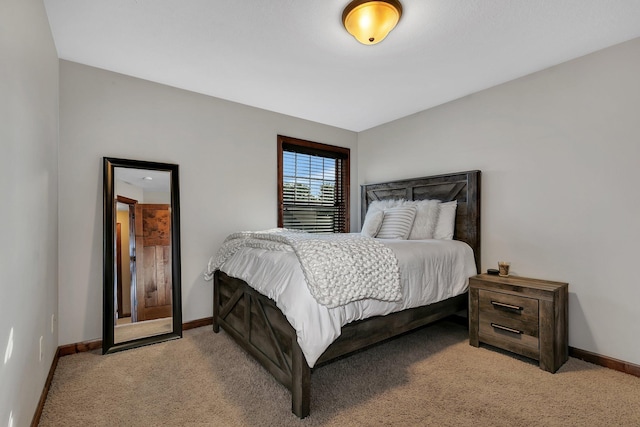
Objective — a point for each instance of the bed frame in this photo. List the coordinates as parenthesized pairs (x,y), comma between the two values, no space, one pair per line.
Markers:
(257,325)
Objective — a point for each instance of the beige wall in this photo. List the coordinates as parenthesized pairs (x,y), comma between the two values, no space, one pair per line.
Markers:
(559,152)
(227,157)
(29,194)
(161,197)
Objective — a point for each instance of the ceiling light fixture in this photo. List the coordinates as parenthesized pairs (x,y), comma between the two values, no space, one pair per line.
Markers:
(371,21)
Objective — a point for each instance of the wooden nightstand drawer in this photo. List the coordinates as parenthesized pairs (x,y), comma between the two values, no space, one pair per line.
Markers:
(524,316)
(508,338)
(509,322)
(509,310)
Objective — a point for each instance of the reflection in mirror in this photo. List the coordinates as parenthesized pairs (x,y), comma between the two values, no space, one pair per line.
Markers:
(142,267)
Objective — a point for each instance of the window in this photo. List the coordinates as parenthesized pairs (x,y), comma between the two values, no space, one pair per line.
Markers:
(313,186)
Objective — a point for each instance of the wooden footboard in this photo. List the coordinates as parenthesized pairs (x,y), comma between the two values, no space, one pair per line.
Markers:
(255,322)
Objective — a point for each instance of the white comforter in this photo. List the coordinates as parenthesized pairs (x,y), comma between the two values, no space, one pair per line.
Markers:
(430,271)
(339,268)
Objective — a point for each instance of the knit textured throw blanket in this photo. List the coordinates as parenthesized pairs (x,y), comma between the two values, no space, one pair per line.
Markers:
(338,268)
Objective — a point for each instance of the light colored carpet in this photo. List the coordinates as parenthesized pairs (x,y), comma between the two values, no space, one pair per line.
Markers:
(129,331)
(432,377)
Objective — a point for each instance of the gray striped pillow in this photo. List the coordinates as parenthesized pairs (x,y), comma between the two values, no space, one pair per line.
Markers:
(397,222)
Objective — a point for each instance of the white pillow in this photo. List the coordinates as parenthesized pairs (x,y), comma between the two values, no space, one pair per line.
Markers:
(381,205)
(446,221)
(397,222)
(372,222)
(424,224)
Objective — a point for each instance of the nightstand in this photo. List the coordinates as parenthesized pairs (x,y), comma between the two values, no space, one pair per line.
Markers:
(521,315)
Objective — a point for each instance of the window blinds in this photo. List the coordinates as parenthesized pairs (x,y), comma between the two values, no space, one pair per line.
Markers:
(313,194)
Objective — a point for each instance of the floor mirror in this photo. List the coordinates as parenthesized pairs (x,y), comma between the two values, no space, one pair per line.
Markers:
(142,296)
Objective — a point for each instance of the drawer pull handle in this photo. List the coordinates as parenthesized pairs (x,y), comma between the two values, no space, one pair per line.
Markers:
(504,328)
(503,305)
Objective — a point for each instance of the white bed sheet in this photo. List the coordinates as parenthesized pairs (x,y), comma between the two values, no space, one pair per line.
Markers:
(430,271)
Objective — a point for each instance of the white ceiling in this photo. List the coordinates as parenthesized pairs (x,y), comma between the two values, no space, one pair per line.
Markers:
(146,179)
(294,57)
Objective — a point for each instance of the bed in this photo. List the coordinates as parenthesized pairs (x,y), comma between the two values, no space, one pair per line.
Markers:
(256,323)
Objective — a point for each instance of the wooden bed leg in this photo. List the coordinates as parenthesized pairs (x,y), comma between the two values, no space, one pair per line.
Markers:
(216,302)
(300,383)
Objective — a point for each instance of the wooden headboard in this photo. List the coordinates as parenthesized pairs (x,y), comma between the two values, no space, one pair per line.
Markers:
(462,186)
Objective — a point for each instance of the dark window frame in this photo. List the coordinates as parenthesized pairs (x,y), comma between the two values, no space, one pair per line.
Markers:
(342,154)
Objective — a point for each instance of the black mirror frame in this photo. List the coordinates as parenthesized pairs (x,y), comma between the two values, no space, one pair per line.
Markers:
(109,164)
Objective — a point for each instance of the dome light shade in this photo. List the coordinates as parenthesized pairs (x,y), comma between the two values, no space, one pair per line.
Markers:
(371,21)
